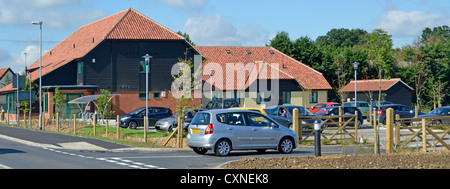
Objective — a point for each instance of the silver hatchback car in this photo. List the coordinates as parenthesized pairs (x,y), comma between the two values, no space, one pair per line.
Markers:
(231,129)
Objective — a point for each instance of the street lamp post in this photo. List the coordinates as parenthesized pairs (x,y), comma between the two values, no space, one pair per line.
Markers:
(147,62)
(355,66)
(40,71)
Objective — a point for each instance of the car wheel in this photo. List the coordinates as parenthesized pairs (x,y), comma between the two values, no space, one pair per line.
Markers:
(223,147)
(132,125)
(286,146)
(359,124)
(200,150)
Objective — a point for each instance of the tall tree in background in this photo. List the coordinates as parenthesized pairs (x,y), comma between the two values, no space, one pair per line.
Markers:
(283,43)
(379,45)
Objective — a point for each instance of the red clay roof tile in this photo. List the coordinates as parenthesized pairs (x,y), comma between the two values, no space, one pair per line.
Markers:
(288,67)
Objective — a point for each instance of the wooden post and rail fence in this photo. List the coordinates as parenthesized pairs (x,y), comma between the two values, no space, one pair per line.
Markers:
(431,132)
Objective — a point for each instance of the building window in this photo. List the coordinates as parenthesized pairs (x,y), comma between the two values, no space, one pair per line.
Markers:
(287,97)
(142,67)
(313,98)
(45,102)
(10,103)
(79,67)
(156,95)
(142,95)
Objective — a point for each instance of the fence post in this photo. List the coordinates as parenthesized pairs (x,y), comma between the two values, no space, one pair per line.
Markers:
(375,134)
(74,124)
(95,124)
(424,134)
(397,130)
(180,131)
(145,129)
(389,130)
(117,123)
(57,122)
(107,125)
(295,121)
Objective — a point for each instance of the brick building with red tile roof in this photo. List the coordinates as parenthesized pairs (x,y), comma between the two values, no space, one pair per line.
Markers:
(107,54)
(299,84)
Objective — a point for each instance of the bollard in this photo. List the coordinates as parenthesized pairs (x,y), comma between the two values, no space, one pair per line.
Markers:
(317,138)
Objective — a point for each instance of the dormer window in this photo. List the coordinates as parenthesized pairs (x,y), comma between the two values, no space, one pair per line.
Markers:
(228,51)
(249,52)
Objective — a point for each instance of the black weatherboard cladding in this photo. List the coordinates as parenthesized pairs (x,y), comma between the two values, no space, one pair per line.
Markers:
(116,66)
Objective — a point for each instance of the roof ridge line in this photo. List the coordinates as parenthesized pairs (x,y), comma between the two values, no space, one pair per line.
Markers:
(117,23)
(166,28)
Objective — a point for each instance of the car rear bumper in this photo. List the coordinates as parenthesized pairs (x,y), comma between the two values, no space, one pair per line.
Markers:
(203,141)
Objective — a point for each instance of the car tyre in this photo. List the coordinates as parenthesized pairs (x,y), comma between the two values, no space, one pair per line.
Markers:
(200,151)
(286,146)
(132,125)
(222,147)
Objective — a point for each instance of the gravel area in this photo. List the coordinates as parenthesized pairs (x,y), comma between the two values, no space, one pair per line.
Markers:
(404,160)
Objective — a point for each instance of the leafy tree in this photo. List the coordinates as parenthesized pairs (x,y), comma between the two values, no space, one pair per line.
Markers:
(186,36)
(104,104)
(6,81)
(283,43)
(58,100)
(379,46)
(343,38)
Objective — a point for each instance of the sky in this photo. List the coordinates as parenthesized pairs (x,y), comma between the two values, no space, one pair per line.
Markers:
(215,22)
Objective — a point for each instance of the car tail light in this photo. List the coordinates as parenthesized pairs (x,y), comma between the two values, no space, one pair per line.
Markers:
(209,129)
(382,112)
(170,111)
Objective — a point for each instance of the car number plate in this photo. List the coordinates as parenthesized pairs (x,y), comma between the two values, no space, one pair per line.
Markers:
(195,130)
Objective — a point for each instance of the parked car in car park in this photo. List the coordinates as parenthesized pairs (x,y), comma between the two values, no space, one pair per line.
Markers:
(136,117)
(283,114)
(439,112)
(375,103)
(221,104)
(321,105)
(170,123)
(361,105)
(400,109)
(225,130)
(251,109)
(346,110)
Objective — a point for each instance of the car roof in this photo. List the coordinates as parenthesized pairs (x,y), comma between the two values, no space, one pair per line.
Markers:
(216,111)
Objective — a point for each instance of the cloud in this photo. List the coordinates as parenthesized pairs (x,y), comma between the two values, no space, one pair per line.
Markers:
(57,14)
(17,61)
(409,24)
(215,30)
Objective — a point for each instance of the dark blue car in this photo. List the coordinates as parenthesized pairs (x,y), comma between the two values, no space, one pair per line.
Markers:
(136,118)
(400,109)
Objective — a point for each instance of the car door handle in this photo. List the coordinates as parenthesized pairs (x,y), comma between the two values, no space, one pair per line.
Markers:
(229,128)
(254,129)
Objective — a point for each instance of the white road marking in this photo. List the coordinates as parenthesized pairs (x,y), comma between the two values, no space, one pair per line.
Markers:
(115,160)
